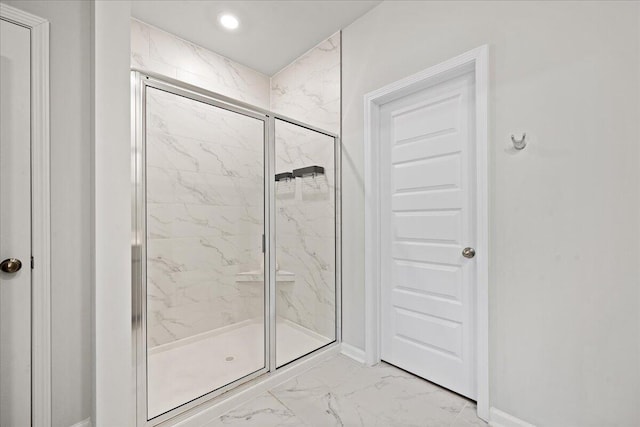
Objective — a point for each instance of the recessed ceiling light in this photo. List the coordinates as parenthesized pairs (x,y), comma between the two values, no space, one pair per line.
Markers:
(228,21)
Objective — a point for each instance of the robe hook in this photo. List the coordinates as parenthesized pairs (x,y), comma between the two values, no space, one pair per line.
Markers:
(519,144)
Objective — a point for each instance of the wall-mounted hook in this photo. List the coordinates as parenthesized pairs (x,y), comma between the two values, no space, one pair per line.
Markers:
(519,144)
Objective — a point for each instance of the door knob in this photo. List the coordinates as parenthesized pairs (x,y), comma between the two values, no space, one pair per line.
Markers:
(468,252)
(10,265)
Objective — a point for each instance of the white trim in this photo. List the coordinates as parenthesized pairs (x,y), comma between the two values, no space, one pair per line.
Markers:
(475,60)
(21,17)
(84,423)
(41,217)
(353,352)
(499,418)
(209,412)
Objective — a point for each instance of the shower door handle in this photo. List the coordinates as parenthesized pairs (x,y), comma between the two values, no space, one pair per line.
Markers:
(263,243)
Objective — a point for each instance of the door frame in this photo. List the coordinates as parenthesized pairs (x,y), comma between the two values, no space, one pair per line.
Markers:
(40,213)
(475,61)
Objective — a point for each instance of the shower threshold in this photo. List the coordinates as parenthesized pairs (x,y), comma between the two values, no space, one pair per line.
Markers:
(186,369)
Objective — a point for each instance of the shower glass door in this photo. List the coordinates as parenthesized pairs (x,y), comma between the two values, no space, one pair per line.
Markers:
(305,226)
(236,245)
(203,222)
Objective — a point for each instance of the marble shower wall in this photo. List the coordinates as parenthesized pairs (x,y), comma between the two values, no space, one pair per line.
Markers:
(163,53)
(197,214)
(308,89)
(305,229)
(204,217)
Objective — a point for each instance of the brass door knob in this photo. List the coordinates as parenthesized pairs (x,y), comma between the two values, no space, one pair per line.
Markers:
(11,265)
(468,252)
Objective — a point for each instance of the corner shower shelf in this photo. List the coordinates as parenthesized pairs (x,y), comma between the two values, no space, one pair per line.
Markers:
(257,276)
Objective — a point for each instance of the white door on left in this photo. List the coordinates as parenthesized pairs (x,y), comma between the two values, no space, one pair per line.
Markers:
(15,225)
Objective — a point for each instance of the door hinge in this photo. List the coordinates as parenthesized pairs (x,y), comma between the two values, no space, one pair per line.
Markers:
(32,262)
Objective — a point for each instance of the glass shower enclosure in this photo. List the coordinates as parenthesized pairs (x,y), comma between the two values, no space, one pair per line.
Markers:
(236,232)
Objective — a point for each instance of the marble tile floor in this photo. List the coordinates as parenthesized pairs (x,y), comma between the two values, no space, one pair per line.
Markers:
(342,392)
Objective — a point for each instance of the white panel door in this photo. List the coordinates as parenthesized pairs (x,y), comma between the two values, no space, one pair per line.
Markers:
(15,225)
(427,216)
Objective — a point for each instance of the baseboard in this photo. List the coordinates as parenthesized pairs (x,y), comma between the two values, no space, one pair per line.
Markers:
(498,418)
(353,352)
(83,423)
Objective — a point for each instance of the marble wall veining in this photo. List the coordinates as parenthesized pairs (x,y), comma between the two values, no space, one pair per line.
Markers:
(158,51)
(204,217)
(305,229)
(308,89)
(204,178)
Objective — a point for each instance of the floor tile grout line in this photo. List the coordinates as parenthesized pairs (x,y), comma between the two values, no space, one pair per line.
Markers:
(286,406)
(357,408)
(459,413)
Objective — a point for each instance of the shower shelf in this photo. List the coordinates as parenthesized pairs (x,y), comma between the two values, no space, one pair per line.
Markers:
(308,171)
(285,176)
(257,276)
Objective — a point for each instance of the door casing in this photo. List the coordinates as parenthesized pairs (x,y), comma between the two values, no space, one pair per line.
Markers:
(475,61)
(40,213)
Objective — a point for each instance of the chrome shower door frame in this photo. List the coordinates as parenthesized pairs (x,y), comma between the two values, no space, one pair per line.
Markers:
(140,81)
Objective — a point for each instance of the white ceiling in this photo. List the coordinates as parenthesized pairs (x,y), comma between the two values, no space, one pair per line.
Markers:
(271,34)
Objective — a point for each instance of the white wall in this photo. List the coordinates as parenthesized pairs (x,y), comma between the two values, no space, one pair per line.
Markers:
(564,274)
(113,394)
(70,46)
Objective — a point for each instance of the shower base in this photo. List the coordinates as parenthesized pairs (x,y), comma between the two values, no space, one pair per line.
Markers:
(187,369)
